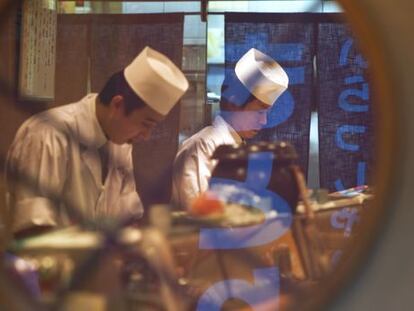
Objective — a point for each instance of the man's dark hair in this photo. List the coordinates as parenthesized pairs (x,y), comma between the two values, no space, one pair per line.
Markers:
(234,94)
(117,85)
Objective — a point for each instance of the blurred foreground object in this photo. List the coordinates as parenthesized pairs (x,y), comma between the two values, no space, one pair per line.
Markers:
(325,231)
(207,204)
(85,268)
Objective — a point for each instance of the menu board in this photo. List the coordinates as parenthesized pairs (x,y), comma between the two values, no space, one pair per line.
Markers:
(37,49)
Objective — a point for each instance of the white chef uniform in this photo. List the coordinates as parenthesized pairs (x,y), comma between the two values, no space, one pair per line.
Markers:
(193,164)
(257,74)
(56,152)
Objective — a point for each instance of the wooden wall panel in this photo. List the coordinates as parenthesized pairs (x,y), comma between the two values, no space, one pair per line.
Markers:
(72,58)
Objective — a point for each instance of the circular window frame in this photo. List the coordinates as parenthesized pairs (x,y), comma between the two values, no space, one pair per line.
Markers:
(375,221)
(387,130)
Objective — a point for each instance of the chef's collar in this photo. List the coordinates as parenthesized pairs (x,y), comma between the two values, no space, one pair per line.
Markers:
(91,133)
(219,121)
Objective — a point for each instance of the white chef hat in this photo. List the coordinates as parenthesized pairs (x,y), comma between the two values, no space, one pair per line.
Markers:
(262,76)
(156,80)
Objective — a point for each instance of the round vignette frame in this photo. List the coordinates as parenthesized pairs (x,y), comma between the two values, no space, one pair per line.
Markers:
(383,80)
(386,139)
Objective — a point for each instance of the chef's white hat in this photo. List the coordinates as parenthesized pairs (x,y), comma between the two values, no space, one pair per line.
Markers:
(262,76)
(156,80)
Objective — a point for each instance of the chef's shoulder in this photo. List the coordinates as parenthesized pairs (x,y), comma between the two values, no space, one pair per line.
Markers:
(50,126)
(206,141)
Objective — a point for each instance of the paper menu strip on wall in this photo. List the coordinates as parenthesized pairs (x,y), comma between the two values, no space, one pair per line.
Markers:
(38,49)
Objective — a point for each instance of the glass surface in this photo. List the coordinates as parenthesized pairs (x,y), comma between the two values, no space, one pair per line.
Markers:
(258,251)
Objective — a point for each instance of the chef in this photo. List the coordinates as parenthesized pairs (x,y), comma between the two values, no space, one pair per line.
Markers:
(247,94)
(74,163)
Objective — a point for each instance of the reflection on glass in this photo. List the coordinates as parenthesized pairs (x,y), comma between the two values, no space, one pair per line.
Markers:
(277,212)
